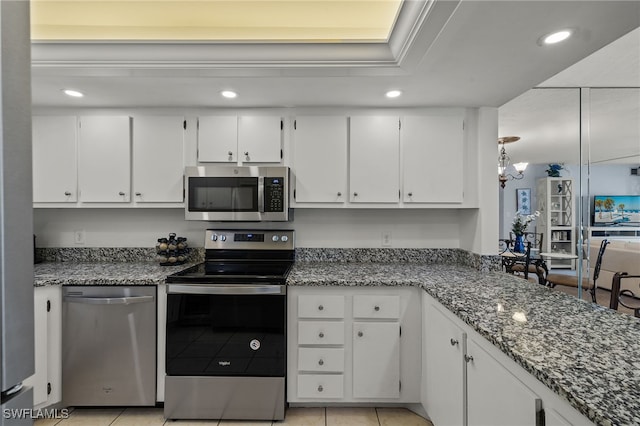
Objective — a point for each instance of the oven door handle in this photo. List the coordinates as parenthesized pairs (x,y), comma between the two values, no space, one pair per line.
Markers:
(246,289)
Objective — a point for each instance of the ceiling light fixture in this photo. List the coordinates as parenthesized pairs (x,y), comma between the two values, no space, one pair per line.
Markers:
(504,161)
(229,94)
(72,93)
(555,37)
(393,93)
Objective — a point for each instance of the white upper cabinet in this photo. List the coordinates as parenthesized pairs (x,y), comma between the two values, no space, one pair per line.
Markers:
(244,139)
(432,158)
(320,159)
(218,139)
(259,139)
(104,159)
(374,159)
(55,172)
(158,159)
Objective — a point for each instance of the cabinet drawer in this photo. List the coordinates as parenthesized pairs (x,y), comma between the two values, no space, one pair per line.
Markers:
(320,385)
(320,306)
(320,333)
(383,307)
(330,360)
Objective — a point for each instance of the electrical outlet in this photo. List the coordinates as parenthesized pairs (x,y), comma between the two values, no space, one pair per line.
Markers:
(386,239)
(78,236)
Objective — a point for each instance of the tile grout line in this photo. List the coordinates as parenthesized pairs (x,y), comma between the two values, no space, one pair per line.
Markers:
(377,415)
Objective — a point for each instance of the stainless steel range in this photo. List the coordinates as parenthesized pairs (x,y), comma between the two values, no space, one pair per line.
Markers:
(226,329)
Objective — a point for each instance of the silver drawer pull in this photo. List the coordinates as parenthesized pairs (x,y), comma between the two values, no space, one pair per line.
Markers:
(377,308)
(121,193)
(454,342)
(67,193)
(320,388)
(230,153)
(360,334)
(468,358)
(321,362)
(320,307)
(321,335)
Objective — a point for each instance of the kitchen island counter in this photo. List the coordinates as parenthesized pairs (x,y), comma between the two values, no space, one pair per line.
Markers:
(585,353)
(103,273)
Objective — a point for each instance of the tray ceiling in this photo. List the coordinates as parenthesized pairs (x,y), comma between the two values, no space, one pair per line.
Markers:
(309,21)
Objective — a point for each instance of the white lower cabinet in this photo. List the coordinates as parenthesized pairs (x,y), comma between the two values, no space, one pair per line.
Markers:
(47,379)
(467,381)
(494,396)
(376,360)
(350,345)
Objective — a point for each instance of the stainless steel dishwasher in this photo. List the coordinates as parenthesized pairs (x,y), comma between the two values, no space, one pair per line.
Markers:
(109,345)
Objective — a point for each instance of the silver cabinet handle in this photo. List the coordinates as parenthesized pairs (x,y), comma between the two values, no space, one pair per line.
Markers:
(453,342)
(109,300)
(321,362)
(321,335)
(468,358)
(320,388)
(67,193)
(376,308)
(246,153)
(355,194)
(230,153)
(121,193)
(320,307)
(410,194)
(339,194)
(360,334)
(138,194)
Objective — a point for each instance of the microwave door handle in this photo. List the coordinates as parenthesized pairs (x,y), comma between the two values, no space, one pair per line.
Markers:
(261,194)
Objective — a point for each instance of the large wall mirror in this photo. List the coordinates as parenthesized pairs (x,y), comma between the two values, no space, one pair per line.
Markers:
(593,134)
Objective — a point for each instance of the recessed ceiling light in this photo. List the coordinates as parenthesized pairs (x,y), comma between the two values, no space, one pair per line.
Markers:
(73,93)
(229,94)
(393,93)
(556,37)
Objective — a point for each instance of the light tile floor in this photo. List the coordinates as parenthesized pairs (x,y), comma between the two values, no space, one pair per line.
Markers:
(331,416)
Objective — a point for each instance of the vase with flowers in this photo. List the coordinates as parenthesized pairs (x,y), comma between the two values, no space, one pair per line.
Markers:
(519,227)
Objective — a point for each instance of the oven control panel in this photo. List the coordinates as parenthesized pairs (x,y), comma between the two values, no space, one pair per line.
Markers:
(281,239)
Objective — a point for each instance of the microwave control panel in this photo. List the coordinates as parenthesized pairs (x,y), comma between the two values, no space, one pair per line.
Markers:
(273,194)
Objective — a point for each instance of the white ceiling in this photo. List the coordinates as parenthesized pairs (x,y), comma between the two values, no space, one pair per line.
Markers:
(460,53)
(548,118)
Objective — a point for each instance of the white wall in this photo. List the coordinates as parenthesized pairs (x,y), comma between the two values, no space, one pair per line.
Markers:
(344,228)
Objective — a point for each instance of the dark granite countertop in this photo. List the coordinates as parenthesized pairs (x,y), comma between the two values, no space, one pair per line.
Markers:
(102,273)
(584,352)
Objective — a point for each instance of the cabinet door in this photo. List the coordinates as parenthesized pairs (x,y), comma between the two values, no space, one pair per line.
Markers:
(320,159)
(494,396)
(104,159)
(158,166)
(259,139)
(444,369)
(374,159)
(40,378)
(376,360)
(55,170)
(47,380)
(432,159)
(218,139)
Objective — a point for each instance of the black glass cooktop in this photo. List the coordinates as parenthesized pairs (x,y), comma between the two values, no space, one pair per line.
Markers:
(229,272)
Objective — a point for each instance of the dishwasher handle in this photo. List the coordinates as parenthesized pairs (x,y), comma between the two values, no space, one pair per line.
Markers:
(129,300)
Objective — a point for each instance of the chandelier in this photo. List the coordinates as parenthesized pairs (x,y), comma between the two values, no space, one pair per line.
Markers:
(504,161)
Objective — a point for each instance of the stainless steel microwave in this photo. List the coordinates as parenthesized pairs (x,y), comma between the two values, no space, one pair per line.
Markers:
(246,193)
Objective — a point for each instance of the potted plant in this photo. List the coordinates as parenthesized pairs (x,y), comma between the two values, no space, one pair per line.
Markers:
(519,227)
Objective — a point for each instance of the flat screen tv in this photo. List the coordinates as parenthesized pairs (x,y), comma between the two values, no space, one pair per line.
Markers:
(611,210)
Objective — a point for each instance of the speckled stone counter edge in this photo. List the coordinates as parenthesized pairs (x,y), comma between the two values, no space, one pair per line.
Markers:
(460,257)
